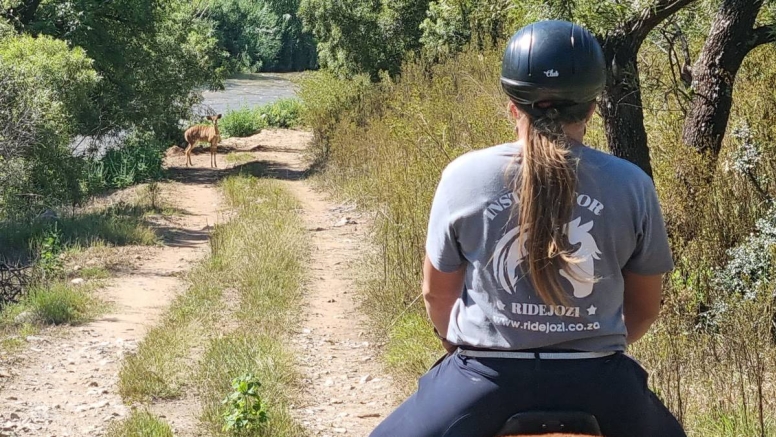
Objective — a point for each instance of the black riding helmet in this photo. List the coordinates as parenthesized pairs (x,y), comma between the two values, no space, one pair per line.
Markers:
(555,63)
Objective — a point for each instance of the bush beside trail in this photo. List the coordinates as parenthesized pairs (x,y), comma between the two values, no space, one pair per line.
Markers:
(244,122)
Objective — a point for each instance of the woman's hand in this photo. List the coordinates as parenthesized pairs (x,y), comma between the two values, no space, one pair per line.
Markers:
(449,347)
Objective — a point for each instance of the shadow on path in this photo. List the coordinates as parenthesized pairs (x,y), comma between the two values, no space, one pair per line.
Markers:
(261,169)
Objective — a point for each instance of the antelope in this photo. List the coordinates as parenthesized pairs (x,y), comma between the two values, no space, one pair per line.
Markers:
(205,134)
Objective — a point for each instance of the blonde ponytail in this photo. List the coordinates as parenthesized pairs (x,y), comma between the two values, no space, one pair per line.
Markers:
(546,187)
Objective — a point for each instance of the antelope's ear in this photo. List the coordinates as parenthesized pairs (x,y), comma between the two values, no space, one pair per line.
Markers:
(217,117)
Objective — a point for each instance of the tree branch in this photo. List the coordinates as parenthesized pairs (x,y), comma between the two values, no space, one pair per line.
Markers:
(763,35)
(639,26)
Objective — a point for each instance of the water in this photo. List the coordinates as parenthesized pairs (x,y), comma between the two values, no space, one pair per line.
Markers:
(242,90)
(247,90)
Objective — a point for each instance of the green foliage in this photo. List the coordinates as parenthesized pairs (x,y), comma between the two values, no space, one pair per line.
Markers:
(362,36)
(49,246)
(140,424)
(44,87)
(243,408)
(262,35)
(248,31)
(138,159)
(283,113)
(326,99)
(119,225)
(151,56)
(451,25)
(53,67)
(242,122)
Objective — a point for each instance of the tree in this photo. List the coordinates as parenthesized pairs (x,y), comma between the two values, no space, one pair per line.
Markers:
(621,103)
(732,37)
(150,55)
(364,36)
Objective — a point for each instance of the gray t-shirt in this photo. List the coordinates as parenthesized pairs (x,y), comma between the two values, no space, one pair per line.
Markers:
(616,225)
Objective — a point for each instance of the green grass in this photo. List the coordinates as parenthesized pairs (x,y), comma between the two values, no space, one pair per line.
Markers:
(161,365)
(140,424)
(242,122)
(119,225)
(235,316)
(54,304)
(412,348)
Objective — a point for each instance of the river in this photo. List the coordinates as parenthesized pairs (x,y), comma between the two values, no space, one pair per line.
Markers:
(249,90)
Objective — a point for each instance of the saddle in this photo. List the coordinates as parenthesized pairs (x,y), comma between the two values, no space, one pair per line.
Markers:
(550,422)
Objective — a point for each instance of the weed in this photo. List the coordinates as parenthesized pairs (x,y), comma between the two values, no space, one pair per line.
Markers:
(243,408)
(93,273)
(283,113)
(120,224)
(244,122)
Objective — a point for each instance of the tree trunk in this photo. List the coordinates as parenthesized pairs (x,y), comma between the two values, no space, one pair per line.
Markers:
(714,73)
(621,103)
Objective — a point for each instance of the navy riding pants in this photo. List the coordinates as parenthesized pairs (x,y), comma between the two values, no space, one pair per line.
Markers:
(473,397)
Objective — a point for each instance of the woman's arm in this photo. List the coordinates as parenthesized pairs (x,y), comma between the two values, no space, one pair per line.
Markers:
(440,291)
(642,303)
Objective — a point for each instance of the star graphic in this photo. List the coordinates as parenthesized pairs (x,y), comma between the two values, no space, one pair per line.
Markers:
(500,305)
(591,311)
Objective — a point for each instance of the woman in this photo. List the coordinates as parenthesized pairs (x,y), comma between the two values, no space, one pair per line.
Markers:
(544,260)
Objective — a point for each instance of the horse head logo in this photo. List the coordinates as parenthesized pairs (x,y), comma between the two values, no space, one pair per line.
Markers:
(510,252)
(583,272)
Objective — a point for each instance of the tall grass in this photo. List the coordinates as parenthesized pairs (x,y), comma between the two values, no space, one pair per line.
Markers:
(711,354)
(235,318)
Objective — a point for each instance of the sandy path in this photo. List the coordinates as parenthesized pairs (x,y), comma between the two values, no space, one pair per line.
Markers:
(67,386)
(345,389)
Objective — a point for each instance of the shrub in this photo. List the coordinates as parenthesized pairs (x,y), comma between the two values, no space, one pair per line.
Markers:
(751,264)
(242,122)
(138,159)
(284,113)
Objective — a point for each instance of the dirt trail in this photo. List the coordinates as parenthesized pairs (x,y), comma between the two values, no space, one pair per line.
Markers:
(345,390)
(67,386)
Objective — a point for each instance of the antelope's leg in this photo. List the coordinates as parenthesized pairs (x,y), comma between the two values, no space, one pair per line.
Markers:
(188,154)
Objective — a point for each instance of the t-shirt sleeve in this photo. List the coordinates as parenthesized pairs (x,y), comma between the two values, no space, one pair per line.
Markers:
(442,247)
(652,255)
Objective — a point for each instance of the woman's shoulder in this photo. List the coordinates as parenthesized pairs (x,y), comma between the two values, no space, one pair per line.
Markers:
(616,169)
(482,160)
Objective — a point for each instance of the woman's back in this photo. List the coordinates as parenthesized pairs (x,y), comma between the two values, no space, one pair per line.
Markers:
(615,224)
